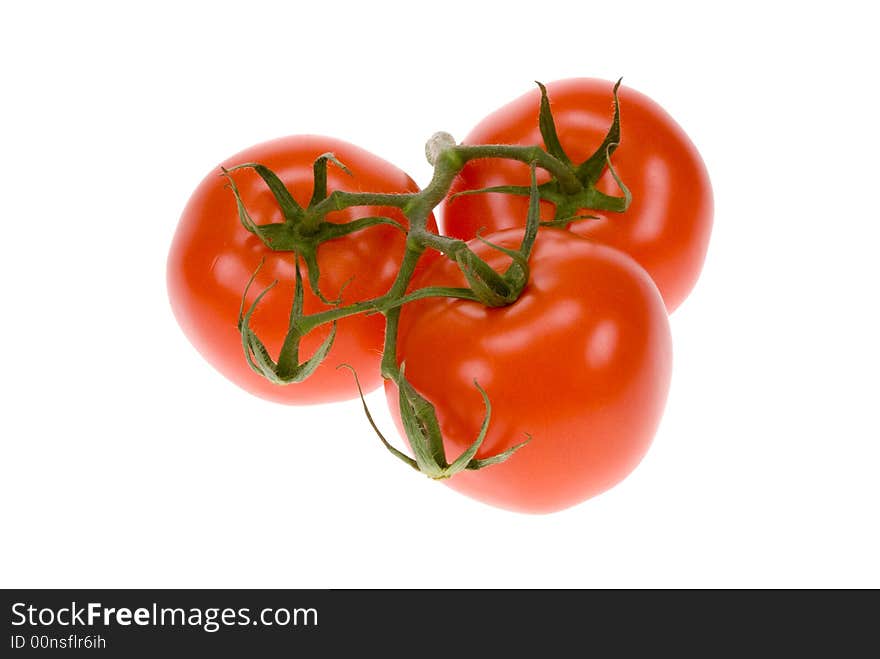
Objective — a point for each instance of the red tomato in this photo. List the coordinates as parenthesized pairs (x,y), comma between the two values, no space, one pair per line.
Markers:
(213,256)
(581,362)
(667,227)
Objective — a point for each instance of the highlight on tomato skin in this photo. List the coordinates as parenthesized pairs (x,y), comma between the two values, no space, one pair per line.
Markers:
(213,256)
(581,363)
(667,226)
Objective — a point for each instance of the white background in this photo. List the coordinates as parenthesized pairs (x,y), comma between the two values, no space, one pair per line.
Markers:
(127,461)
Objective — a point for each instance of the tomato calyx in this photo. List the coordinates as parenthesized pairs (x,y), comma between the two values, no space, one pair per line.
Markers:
(488,286)
(302,229)
(419,419)
(568,199)
(287,369)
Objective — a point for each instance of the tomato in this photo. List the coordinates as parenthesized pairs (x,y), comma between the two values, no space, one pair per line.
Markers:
(212,258)
(666,228)
(581,362)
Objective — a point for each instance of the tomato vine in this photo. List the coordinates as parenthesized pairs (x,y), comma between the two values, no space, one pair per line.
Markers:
(572,186)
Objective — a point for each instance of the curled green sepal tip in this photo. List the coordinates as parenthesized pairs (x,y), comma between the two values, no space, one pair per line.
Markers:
(400,455)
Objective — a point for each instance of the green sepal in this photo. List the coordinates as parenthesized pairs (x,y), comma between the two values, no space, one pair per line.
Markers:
(533,218)
(319,193)
(517,275)
(288,359)
(563,222)
(243,216)
(400,455)
(254,351)
(462,461)
(590,171)
(548,128)
(498,458)
(420,423)
(290,209)
(309,255)
(627,195)
(276,236)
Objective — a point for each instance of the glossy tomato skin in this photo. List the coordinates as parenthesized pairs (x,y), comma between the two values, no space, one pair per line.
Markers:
(667,227)
(581,362)
(212,257)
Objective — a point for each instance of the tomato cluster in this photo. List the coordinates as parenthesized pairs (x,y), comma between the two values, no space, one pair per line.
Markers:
(539,355)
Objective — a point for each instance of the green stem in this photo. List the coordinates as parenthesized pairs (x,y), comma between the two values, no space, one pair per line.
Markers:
(434,291)
(340,200)
(527,154)
(411,257)
(307,323)
(444,244)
